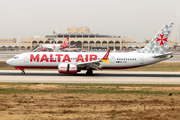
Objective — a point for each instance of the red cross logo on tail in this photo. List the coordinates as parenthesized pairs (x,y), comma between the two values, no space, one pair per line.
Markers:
(161,39)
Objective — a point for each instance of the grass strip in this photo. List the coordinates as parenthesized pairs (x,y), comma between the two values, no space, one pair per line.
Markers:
(94,84)
(85,89)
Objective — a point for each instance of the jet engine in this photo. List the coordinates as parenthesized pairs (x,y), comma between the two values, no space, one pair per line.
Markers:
(67,68)
(42,49)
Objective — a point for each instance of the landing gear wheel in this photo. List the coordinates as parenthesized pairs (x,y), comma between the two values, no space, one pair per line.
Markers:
(22,73)
(89,72)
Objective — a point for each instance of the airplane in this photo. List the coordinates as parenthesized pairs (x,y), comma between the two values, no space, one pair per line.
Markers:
(73,62)
(53,47)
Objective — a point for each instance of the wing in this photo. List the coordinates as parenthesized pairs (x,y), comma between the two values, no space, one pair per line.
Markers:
(163,55)
(95,65)
(91,64)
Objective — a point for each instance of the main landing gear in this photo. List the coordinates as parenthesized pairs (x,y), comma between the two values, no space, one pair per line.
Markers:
(89,72)
(23,72)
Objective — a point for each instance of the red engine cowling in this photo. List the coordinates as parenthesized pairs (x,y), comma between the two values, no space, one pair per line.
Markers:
(67,68)
(42,49)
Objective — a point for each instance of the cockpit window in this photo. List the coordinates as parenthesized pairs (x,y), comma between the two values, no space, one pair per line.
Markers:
(16,57)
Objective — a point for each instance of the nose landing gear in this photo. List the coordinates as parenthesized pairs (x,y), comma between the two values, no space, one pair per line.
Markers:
(22,69)
(23,72)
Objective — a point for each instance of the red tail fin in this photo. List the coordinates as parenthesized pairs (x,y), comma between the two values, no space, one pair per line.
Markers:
(66,41)
(105,58)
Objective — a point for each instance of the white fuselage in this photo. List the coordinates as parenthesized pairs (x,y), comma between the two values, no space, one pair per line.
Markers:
(53,59)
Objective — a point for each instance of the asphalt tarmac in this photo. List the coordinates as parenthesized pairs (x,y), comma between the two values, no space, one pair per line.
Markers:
(114,77)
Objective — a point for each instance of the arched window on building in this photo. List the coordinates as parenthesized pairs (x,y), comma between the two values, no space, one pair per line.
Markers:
(85,41)
(72,42)
(130,48)
(85,44)
(47,42)
(60,42)
(137,47)
(41,42)
(53,42)
(98,43)
(4,48)
(34,41)
(91,42)
(117,42)
(9,47)
(28,48)
(16,47)
(111,42)
(79,44)
(22,48)
(104,42)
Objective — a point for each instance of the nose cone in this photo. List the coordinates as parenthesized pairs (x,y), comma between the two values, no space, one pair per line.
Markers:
(9,62)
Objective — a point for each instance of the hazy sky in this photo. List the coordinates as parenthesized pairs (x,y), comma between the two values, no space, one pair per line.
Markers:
(132,18)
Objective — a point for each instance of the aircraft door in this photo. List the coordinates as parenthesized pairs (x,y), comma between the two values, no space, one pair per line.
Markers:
(141,59)
(112,59)
(26,58)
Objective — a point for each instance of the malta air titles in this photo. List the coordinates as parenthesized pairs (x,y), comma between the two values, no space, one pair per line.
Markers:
(61,58)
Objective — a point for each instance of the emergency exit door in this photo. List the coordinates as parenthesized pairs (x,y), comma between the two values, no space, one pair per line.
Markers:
(141,59)
(25,58)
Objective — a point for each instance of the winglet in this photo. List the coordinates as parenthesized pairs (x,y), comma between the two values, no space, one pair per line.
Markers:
(105,58)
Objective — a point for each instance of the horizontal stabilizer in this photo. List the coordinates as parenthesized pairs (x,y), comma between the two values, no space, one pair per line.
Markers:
(163,55)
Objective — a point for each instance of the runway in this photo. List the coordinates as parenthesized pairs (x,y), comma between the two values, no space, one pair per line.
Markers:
(114,77)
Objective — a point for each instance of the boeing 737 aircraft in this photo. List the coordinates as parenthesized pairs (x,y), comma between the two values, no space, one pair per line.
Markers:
(52,47)
(73,62)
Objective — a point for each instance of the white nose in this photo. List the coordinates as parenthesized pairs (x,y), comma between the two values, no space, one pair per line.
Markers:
(9,62)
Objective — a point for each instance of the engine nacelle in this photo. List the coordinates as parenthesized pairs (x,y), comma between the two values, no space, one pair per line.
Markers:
(67,68)
(42,49)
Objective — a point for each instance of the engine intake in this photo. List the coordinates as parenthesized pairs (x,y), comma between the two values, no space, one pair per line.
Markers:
(67,68)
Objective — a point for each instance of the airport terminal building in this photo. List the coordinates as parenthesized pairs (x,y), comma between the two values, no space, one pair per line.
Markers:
(83,38)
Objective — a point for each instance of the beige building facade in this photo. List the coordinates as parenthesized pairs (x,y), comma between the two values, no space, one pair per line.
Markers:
(83,38)
(11,44)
